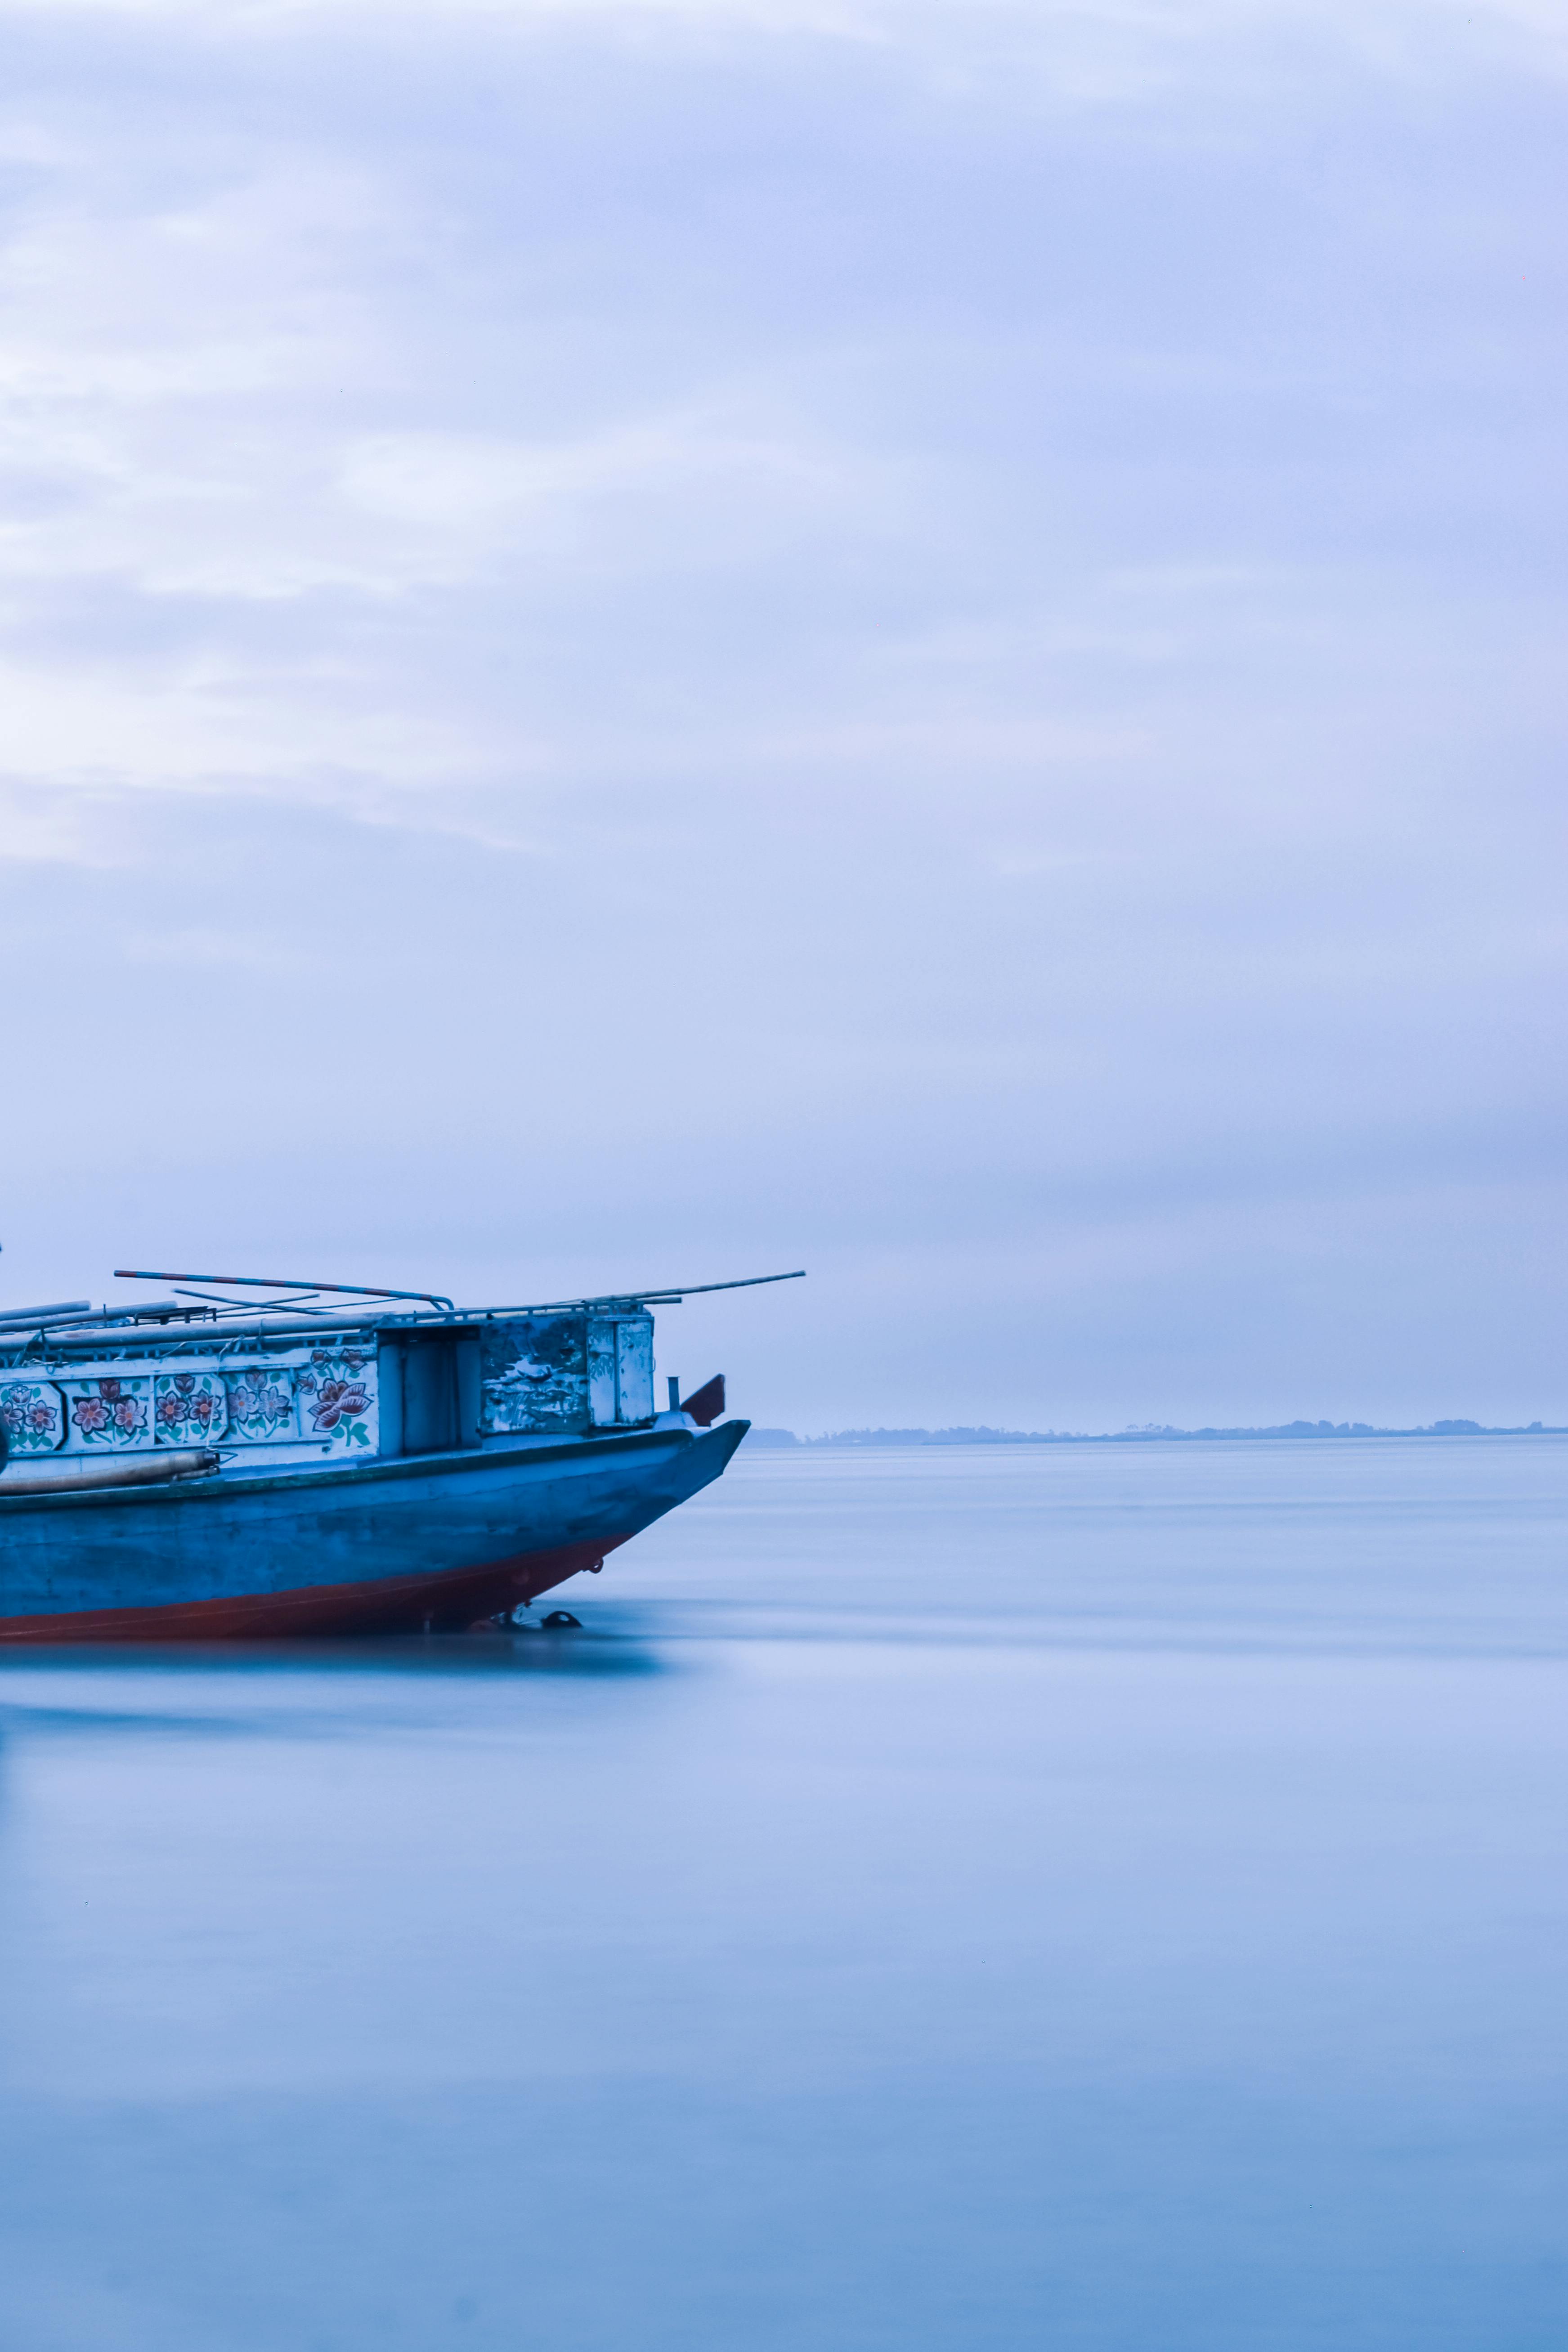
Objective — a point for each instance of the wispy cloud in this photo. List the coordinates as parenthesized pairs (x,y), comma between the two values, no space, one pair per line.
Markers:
(1093,51)
(935,628)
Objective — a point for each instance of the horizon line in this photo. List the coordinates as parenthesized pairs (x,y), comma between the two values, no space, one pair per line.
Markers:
(1148,1433)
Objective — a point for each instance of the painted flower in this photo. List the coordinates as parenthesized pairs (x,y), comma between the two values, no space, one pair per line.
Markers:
(40,1417)
(109,1390)
(201,1409)
(339,1400)
(129,1415)
(170,1410)
(185,1382)
(254,1398)
(90,1414)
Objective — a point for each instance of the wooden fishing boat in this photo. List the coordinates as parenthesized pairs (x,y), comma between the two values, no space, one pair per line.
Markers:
(201,1468)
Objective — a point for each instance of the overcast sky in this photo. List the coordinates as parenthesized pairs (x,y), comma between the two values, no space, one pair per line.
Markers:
(642,643)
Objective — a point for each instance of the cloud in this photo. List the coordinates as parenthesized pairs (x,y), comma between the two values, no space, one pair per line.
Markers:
(928,630)
(1091,50)
(694,488)
(162,349)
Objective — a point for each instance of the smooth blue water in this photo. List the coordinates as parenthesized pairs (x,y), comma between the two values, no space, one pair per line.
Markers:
(1103,1897)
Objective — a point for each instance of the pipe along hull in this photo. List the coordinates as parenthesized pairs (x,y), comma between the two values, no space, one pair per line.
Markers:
(385,1546)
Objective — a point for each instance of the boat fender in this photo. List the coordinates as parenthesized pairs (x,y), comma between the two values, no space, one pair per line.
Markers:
(158,1470)
(561,1620)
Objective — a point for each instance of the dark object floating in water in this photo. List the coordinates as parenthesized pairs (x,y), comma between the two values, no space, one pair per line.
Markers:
(231,1470)
(561,1620)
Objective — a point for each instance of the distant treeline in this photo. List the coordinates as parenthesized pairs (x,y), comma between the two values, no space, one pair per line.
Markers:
(1151,1433)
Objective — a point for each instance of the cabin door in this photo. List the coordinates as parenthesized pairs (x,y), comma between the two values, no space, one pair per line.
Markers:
(620,1371)
(440,1393)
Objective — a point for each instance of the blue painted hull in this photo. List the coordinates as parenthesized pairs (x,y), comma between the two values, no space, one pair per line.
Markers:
(393,1545)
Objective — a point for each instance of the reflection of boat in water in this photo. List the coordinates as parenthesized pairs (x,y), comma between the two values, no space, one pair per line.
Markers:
(200,1469)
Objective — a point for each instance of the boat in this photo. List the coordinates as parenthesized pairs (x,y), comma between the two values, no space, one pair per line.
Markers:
(202,1468)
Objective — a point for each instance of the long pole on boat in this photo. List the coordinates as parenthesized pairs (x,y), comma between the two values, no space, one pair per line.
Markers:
(279,1281)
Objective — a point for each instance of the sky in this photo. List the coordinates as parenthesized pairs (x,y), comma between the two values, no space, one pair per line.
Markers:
(648,642)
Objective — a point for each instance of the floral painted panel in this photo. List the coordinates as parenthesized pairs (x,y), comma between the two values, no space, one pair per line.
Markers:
(189,1407)
(108,1412)
(338,1399)
(34,1414)
(262,1404)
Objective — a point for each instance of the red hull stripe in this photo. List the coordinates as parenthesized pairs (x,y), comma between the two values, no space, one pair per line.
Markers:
(394,1604)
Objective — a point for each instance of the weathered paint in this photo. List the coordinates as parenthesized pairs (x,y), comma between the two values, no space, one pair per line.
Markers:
(547,1372)
(536,1375)
(533,1374)
(389,1543)
(601,1372)
(400,1466)
(634,1370)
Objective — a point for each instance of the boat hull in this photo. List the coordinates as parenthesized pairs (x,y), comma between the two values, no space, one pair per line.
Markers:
(394,1546)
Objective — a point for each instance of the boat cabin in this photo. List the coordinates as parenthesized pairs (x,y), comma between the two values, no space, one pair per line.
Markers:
(278,1394)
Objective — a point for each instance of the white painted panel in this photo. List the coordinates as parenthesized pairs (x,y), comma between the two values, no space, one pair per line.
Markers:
(261,1405)
(190,1407)
(34,1414)
(634,1370)
(108,1413)
(601,1374)
(337,1396)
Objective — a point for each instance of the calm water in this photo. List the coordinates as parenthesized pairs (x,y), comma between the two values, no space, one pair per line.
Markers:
(1084,1897)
